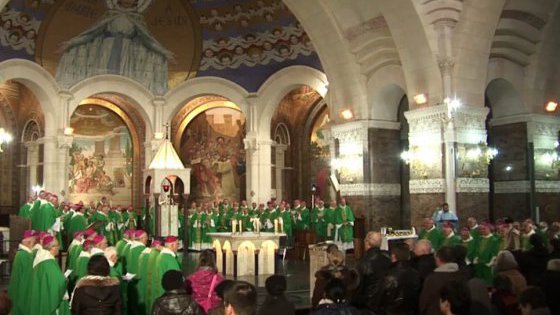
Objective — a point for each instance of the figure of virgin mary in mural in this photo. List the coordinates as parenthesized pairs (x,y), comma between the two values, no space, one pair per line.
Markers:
(119,43)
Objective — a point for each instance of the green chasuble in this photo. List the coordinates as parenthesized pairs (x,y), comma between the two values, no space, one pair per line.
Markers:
(470,244)
(44,218)
(143,279)
(20,280)
(181,217)
(344,221)
(125,251)
(486,250)
(433,235)
(47,287)
(263,217)
(78,223)
(132,263)
(150,294)
(25,211)
(81,265)
(35,209)
(475,233)
(73,252)
(302,220)
(319,224)
(120,247)
(195,230)
(166,260)
(209,226)
(524,241)
(287,222)
(329,219)
(451,240)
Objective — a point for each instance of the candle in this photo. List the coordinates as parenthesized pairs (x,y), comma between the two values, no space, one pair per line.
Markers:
(240,226)
(233,226)
(275,226)
(281,221)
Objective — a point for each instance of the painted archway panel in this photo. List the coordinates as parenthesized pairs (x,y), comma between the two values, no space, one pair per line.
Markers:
(101,157)
(212,146)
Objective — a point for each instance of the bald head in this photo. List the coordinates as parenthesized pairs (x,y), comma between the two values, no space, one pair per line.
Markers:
(422,247)
(373,239)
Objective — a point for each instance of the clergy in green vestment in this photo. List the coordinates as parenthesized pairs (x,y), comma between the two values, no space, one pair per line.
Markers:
(208,226)
(286,216)
(78,222)
(25,210)
(273,214)
(469,243)
(44,218)
(449,237)
(101,220)
(486,250)
(74,251)
(344,224)
(47,293)
(132,262)
(473,227)
(318,222)
(151,281)
(142,278)
(432,233)
(195,229)
(302,215)
(330,219)
(20,277)
(166,260)
(526,231)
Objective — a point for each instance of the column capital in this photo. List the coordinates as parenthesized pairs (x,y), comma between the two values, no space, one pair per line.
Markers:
(64,141)
(159,101)
(351,131)
(65,95)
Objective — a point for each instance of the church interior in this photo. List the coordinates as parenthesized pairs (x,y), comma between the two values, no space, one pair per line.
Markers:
(398,106)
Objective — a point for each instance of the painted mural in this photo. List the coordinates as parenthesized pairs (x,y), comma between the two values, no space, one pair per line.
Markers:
(100,157)
(212,145)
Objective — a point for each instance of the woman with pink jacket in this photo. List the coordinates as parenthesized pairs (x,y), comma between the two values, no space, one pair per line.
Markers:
(205,280)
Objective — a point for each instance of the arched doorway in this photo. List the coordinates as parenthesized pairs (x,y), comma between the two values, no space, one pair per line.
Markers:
(208,135)
(296,130)
(105,156)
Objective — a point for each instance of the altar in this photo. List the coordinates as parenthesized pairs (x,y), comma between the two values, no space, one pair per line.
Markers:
(247,253)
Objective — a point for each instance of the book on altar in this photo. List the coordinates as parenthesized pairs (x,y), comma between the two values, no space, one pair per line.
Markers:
(129,276)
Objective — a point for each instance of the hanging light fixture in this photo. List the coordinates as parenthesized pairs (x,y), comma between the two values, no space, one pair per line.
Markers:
(5,137)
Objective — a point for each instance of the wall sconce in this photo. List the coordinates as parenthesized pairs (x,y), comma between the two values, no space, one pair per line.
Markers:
(422,159)
(551,106)
(68,131)
(5,137)
(508,168)
(347,114)
(421,99)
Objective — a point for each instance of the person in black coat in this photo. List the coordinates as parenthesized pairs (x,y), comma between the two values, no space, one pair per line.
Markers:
(423,260)
(402,284)
(97,293)
(175,300)
(276,302)
(334,302)
(372,269)
(550,284)
(533,262)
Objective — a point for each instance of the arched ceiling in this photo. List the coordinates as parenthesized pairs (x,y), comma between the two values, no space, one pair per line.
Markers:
(244,41)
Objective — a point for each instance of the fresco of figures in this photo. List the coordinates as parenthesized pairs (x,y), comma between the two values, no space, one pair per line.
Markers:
(100,157)
(212,146)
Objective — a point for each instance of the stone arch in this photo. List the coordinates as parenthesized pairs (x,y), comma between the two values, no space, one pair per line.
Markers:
(31,130)
(193,88)
(504,98)
(279,84)
(136,93)
(41,84)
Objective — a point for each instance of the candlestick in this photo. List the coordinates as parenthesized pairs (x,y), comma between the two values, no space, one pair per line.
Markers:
(233,226)
(275,226)
(240,226)
(281,222)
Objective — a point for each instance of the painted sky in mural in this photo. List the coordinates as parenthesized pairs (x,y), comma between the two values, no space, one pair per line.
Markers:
(245,41)
(100,157)
(212,145)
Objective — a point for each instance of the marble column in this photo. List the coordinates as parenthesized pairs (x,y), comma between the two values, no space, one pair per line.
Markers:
(448,160)
(259,168)
(32,164)
(280,150)
(56,161)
